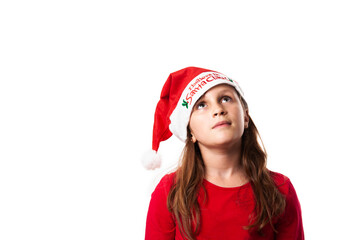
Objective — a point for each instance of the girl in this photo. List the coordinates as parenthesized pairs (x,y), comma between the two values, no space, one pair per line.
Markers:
(222,189)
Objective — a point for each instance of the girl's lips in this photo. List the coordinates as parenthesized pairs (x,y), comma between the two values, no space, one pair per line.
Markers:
(221,123)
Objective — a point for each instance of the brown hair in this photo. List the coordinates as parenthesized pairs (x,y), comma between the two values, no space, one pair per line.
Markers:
(182,198)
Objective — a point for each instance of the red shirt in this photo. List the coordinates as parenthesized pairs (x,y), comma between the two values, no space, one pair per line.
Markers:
(225,213)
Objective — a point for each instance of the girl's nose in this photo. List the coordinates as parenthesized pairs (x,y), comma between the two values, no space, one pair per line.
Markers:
(219,111)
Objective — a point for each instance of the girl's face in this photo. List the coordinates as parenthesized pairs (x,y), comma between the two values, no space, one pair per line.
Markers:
(218,118)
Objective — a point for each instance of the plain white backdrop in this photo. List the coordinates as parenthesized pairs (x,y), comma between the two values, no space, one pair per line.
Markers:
(80,81)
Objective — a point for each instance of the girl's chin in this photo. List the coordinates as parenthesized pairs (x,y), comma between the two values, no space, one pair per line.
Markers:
(224,142)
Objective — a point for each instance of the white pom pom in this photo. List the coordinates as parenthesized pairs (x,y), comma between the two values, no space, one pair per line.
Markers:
(151,160)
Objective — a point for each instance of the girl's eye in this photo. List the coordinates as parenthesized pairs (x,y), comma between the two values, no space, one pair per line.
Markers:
(226,99)
(200,105)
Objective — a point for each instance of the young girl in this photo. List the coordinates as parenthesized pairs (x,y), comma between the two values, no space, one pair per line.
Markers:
(222,189)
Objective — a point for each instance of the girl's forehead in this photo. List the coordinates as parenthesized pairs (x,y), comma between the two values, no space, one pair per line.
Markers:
(218,89)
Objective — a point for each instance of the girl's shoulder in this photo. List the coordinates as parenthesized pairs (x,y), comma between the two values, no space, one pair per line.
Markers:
(166,181)
(169,178)
(281,181)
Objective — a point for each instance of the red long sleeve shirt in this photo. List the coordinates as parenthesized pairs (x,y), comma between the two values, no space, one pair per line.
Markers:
(225,213)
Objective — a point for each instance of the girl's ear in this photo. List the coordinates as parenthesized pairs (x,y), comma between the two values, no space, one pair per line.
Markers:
(246,118)
(193,138)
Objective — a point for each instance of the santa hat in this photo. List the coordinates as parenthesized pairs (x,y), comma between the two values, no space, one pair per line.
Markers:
(180,92)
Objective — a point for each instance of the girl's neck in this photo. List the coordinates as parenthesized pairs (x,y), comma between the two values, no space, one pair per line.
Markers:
(222,166)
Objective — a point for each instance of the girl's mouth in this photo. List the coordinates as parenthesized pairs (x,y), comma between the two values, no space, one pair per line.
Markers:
(221,124)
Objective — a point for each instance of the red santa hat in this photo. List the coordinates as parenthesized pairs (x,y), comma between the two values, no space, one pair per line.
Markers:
(179,94)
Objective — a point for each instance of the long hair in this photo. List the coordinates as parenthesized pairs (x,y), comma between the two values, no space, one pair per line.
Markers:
(182,199)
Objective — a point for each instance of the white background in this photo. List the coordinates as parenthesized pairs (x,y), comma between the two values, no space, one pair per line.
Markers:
(80,81)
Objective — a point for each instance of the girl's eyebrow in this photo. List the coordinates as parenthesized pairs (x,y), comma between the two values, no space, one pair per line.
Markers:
(201,98)
(219,93)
